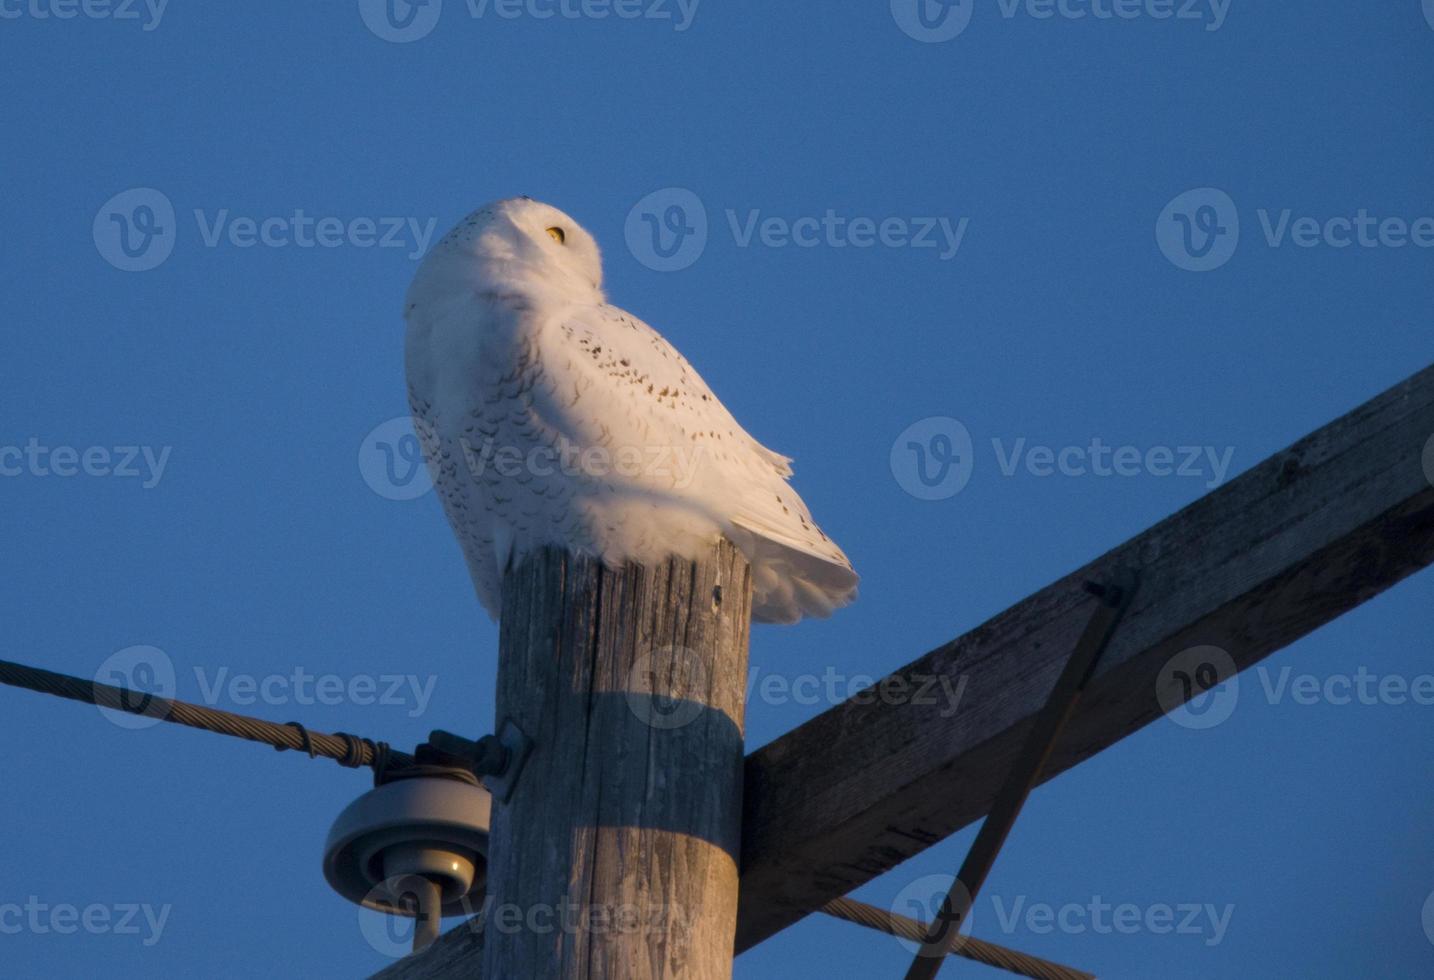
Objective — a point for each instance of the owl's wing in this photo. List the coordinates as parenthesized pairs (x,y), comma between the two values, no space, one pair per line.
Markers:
(607,379)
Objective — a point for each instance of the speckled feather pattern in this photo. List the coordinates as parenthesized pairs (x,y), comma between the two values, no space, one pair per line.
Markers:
(550,417)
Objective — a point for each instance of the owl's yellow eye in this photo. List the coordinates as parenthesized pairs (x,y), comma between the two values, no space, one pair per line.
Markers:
(558,235)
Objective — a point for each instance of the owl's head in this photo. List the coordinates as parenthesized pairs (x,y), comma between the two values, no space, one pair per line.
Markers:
(517,244)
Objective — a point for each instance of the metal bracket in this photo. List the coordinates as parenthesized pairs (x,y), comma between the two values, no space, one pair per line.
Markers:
(1115,595)
(497,759)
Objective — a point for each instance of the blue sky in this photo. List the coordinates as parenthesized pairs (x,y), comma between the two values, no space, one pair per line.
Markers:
(1081,180)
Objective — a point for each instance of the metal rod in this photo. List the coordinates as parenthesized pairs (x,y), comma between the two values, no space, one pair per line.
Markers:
(422,896)
(1115,596)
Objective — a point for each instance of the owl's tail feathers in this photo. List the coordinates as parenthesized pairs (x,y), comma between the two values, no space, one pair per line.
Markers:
(790,581)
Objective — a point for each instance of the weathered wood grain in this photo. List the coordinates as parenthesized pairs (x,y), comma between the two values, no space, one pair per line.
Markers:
(456,953)
(617,855)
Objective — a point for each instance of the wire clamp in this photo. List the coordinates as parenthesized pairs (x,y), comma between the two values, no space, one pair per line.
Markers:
(497,759)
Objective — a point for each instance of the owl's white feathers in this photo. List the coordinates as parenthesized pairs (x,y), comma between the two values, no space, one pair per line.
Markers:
(550,417)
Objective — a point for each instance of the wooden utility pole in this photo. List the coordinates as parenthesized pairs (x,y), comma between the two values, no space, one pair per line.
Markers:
(616,856)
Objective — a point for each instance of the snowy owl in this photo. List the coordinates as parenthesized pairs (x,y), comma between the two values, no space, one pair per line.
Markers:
(549,417)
